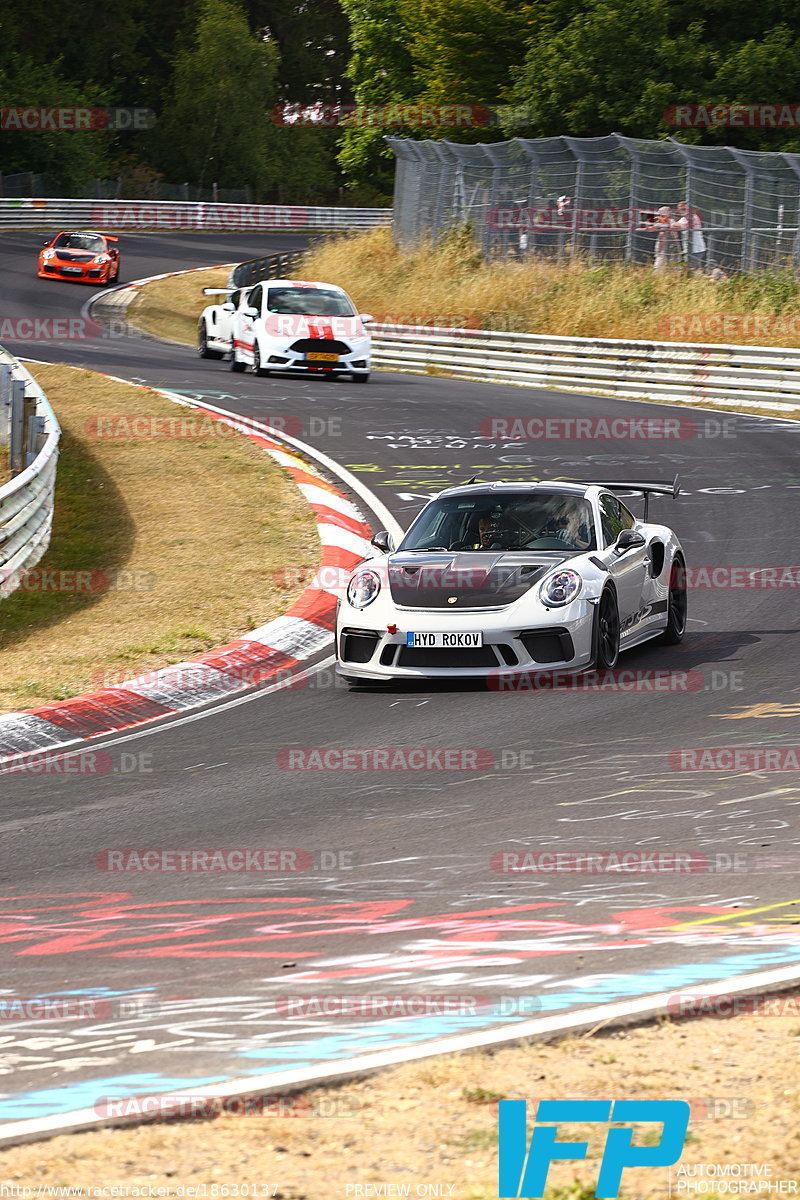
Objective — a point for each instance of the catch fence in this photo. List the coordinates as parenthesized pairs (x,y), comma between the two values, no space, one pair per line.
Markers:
(562,197)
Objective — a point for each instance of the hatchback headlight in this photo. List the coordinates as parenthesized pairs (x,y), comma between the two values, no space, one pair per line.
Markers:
(560,587)
(363,588)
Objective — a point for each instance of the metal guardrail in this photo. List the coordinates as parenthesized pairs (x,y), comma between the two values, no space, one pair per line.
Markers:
(648,370)
(629,369)
(28,426)
(277,266)
(35,213)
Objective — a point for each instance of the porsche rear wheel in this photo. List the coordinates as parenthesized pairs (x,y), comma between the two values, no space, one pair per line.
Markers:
(606,652)
(676,604)
(202,344)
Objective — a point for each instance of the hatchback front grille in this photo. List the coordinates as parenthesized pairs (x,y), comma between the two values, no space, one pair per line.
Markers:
(319,346)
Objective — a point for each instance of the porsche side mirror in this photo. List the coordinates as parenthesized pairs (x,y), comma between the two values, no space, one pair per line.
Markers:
(250,312)
(383,541)
(629,539)
(228,307)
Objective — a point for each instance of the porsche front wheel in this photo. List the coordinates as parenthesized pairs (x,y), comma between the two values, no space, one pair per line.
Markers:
(606,635)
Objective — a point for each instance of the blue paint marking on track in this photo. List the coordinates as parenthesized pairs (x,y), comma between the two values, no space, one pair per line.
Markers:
(89,1092)
(392,1034)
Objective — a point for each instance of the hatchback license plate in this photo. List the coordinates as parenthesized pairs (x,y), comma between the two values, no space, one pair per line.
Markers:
(444,641)
(323,357)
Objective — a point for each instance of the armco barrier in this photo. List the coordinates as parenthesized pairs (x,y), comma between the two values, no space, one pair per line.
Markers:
(26,502)
(752,375)
(166,214)
(277,266)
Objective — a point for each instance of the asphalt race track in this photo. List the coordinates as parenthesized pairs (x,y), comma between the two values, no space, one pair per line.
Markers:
(403,897)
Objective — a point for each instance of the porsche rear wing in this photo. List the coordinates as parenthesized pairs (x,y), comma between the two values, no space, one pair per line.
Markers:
(646,487)
(207,291)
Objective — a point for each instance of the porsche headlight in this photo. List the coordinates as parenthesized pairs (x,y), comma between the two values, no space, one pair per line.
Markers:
(48,254)
(102,258)
(363,588)
(560,587)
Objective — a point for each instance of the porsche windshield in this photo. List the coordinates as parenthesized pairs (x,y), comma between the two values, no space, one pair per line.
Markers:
(309,302)
(81,241)
(524,521)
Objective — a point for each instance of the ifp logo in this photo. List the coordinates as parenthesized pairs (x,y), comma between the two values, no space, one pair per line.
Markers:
(523,1170)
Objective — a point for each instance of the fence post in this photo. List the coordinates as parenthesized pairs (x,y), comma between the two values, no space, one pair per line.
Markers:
(36,435)
(5,403)
(16,439)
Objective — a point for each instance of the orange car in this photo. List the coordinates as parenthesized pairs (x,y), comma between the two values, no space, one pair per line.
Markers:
(84,256)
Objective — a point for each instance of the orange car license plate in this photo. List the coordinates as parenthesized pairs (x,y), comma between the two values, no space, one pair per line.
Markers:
(323,357)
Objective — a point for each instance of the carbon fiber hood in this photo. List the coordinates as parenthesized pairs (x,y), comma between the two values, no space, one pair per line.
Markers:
(487,579)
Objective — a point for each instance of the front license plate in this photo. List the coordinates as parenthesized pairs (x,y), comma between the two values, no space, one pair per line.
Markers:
(444,641)
(72,270)
(315,357)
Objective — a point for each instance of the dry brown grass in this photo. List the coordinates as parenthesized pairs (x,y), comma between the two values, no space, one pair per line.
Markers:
(435,1121)
(450,284)
(186,522)
(171,307)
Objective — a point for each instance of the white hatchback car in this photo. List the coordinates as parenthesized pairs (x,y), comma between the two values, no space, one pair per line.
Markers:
(288,325)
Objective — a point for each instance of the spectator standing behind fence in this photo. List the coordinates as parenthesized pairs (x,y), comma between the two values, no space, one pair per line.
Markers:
(666,238)
(690,224)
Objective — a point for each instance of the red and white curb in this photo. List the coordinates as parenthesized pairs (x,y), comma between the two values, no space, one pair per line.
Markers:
(274,649)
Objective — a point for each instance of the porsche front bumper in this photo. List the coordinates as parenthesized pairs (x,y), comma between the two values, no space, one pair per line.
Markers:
(554,641)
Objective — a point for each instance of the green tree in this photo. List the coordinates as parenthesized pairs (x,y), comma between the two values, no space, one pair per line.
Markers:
(612,67)
(381,70)
(68,158)
(215,125)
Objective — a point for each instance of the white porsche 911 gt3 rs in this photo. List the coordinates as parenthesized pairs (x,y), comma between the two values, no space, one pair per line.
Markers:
(287,325)
(513,577)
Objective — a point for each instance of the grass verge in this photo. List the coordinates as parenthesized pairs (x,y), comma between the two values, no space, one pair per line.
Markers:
(175,538)
(451,284)
(435,1122)
(170,307)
